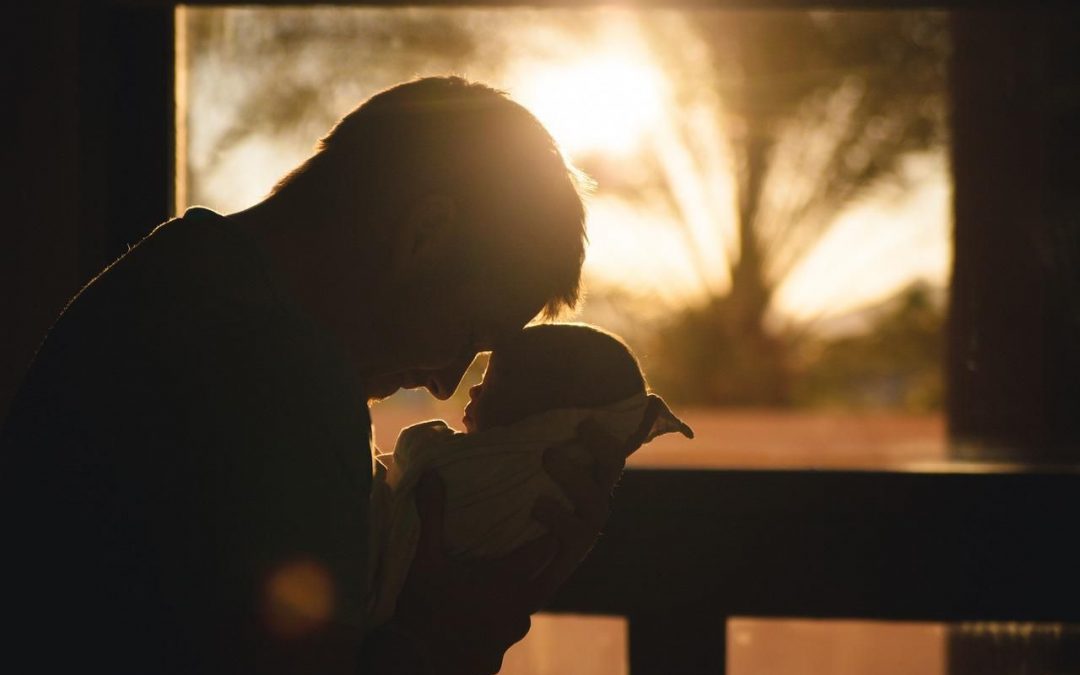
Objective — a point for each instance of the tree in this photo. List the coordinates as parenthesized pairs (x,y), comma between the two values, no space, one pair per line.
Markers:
(271,80)
(782,118)
(896,363)
(817,108)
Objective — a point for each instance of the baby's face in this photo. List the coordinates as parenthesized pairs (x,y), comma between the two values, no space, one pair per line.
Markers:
(501,398)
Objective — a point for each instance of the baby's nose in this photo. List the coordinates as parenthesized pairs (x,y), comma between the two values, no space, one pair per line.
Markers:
(473,391)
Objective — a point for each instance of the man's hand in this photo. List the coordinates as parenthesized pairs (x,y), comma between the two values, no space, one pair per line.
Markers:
(466,615)
(589,489)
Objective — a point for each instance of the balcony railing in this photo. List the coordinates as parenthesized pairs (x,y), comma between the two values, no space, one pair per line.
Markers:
(685,550)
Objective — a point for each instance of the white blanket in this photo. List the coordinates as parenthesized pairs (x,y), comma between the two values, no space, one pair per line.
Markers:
(492,480)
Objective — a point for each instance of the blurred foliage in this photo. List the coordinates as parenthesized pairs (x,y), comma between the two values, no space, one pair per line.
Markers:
(897,363)
(704,356)
(288,73)
(818,108)
(814,109)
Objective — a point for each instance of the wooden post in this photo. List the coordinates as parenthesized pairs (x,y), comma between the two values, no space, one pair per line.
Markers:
(1014,361)
(684,642)
(1014,334)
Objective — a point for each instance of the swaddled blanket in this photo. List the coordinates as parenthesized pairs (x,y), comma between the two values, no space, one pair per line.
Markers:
(492,480)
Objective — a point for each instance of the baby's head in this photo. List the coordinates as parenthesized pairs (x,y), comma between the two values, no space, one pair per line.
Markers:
(552,366)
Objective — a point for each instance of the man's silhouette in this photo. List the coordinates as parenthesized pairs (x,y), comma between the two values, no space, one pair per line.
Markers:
(185,471)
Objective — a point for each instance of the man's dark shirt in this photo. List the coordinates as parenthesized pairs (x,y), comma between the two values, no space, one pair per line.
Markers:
(183,433)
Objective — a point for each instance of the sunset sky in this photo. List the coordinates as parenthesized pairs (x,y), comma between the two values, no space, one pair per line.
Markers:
(597,81)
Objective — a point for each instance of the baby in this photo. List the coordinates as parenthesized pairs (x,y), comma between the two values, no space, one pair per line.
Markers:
(538,387)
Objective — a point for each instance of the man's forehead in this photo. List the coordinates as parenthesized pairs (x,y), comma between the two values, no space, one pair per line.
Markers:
(511,280)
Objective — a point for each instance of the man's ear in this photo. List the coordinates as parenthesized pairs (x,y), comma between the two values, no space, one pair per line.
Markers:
(426,231)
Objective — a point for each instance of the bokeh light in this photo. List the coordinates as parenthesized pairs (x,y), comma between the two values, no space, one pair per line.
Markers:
(298,598)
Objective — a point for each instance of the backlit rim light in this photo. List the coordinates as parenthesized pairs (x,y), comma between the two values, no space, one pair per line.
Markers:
(606,103)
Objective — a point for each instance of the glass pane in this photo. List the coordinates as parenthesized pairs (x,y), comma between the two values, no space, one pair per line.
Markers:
(770,229)
(564,644)
(816,647)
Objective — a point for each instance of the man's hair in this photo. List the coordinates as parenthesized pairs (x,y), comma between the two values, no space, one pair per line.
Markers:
(571,365)
(446,134)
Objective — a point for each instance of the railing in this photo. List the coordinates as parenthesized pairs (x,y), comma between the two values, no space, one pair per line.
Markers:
(685,550)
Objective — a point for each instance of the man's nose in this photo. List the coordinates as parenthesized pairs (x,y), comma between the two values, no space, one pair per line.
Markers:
(444,382)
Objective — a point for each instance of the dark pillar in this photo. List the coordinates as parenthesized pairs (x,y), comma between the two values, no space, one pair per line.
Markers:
(1014,345)
(87,157)
(128,126)
(686,642)
(39,268)
(1014,361)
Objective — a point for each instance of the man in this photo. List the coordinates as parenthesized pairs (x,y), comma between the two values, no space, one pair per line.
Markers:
(186,468)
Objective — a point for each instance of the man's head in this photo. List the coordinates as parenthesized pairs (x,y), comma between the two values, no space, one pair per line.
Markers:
(470,214)
(552,366)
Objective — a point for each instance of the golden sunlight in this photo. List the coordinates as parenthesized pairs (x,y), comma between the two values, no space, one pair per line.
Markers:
(606,102)
(630,96)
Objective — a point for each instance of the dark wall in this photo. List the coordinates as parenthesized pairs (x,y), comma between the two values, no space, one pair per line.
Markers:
(39,240)
(87,157)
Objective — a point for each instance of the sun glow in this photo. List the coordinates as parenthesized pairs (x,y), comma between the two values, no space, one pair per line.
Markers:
(630,96)
(606,102)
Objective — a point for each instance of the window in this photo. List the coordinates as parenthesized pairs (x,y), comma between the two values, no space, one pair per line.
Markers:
(771,225)
(772,232)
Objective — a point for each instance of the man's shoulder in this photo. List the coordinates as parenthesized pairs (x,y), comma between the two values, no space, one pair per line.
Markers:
(194,278)
(198,258)
(187,321)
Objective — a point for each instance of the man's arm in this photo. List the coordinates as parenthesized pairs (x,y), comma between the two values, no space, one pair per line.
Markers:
(460,618)
(463,616)
(266,557)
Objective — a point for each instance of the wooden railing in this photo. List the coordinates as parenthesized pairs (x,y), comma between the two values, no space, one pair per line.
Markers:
(685,550)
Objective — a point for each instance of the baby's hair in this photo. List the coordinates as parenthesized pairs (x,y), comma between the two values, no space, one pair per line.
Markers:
(572,365)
